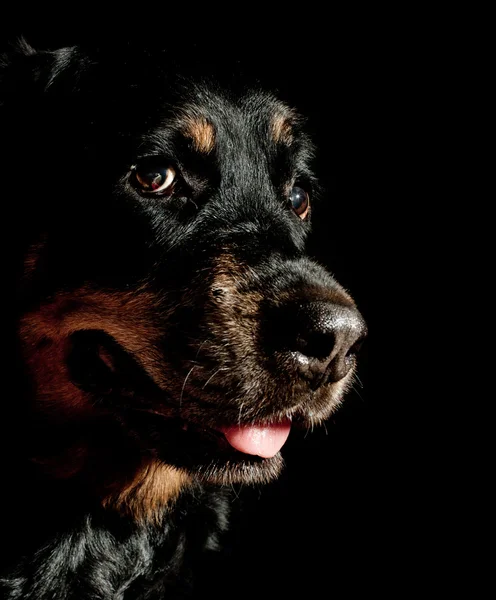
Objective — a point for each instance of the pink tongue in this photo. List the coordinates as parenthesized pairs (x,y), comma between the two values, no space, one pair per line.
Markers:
(263,440)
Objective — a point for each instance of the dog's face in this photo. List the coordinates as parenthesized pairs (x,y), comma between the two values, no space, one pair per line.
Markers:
(164,286)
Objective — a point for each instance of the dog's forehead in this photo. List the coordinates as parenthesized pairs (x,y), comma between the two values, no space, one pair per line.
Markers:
(143,96)
(216,115)
(207,115)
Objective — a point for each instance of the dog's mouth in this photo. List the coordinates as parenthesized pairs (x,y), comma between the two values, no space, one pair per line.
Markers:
(262,440)
(203,439)
(246,453)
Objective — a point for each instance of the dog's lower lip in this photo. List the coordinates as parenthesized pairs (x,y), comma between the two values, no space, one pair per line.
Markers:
(264,439)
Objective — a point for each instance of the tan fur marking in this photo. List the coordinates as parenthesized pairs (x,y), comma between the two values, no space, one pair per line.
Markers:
(155,486)
(281,128)
(201,132)
(227,270)
(234,319)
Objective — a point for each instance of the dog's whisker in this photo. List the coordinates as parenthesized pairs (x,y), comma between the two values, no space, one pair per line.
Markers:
(236,495)
(357,379)
(312,423)
(211,377)
(184,385)
(357,392)
(240,414)
(200,347)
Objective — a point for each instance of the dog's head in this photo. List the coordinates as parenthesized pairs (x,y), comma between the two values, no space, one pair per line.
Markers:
(167,313)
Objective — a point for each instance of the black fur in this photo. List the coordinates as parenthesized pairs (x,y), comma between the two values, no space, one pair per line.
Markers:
(98,555)
(147,323)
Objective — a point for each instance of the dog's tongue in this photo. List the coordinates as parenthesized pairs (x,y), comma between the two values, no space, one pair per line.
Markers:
(261,440)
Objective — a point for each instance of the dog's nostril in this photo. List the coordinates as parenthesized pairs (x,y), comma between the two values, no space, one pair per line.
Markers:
(315,344)
(355,348)
(350,340)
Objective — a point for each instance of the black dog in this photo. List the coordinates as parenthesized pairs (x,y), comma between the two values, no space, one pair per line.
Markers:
(169,329)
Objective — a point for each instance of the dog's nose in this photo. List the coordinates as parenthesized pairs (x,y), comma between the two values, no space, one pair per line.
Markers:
(324,338)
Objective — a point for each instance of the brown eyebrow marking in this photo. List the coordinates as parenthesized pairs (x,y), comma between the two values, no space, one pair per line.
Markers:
(282,127)
(201,132)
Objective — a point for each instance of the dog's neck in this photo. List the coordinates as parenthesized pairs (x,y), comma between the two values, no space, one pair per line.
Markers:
(108,546)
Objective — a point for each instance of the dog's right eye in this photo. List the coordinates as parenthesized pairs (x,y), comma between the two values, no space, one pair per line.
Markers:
(300,201)
(153,179)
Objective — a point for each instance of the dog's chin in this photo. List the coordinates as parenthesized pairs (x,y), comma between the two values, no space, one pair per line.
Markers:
(248,454)
(203,452)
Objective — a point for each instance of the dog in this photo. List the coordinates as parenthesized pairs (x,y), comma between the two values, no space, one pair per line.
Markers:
(169,328)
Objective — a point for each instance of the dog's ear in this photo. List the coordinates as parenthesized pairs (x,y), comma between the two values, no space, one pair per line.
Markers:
(28,137)
(25,72)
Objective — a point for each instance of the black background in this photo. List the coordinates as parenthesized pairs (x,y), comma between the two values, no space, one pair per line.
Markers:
(350,510)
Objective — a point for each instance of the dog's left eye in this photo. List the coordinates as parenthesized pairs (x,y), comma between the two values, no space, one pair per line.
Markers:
(153,179)
(300,201)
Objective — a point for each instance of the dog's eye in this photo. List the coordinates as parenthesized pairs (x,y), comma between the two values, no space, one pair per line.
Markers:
(300,201)
(153,179)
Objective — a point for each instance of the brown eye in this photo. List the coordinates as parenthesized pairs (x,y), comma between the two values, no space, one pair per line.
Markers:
(154,179)
(300,201)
